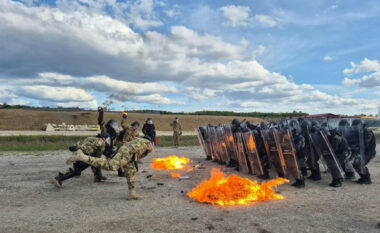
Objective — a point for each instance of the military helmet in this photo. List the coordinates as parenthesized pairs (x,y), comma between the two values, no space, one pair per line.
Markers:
(235,122)
(357,122)
(343,122)
(135,123)
(111,128)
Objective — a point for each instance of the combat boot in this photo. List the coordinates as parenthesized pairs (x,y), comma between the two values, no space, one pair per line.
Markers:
(304,171)
(315,175)
(120,172)
(133,195)
(98,176)
(57,181)
(336,183)
(265,176)
(364,179)
(208,157)
(300,183)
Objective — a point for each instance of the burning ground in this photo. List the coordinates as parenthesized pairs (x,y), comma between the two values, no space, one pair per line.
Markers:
(29,203)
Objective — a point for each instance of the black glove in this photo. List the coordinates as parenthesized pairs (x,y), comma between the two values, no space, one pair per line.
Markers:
(73,148)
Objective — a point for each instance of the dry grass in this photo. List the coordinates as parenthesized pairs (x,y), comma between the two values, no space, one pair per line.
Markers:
(15,119)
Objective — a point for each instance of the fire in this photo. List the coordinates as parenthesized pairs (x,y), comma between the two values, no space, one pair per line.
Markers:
(175,174)
(171,162)
(234,190)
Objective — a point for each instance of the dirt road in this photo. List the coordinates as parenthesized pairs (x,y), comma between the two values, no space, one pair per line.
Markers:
(30,203)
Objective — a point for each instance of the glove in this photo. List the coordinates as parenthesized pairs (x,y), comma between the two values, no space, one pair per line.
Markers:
(73,148)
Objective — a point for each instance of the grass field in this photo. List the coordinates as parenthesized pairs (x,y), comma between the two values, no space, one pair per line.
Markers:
(17,119)
(42,143)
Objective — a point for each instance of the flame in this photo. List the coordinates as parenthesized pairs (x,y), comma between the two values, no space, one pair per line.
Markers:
(171,162)
(234,190)
(175,175)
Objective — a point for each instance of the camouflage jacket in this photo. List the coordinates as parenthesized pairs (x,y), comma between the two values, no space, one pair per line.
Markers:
(135,149)
(176,127)
(92,146)
(127,134)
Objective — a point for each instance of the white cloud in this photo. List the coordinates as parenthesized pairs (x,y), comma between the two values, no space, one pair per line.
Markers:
(327,58)
(156,99)
(266,20)
(236,15)
(370,80)
(366,65)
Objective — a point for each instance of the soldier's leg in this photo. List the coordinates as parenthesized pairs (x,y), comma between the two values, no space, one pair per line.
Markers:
(98,176)
(77,169)
(106,164)
(175,139)
(131,174)
(365,177)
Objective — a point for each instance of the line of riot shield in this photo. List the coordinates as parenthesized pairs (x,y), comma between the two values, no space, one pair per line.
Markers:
(241,157)
(323,147)
(252,154)
(230,143)
(222,145)
(274,151)
(289,153)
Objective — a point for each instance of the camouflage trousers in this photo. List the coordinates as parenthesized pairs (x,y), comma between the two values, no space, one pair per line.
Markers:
(126,162)
(176,136)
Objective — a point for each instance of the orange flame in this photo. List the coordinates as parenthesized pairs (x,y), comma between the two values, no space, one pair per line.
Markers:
(175,175)
(171,162)
(234,190)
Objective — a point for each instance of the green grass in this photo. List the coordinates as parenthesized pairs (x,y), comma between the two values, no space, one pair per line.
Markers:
(43,143)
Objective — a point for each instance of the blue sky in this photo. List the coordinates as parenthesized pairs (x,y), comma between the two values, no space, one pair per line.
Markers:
(319,56)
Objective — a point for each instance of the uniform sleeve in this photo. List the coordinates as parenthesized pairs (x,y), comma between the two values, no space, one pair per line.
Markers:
(124,124)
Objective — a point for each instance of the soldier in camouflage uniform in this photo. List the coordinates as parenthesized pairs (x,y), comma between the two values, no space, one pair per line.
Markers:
(91,146)
(125,158)
(177,131)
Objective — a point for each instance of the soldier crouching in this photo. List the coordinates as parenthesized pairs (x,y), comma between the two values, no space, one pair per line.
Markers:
(126,158)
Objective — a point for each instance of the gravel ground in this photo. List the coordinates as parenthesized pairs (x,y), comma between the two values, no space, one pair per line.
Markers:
(30,203)
(75,133)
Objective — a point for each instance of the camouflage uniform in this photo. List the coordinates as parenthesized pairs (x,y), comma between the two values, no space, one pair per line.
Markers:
(127,135)
(91,146)
(125,158)
(177,131)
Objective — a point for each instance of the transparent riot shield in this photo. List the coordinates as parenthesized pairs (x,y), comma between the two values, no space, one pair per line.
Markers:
(362,150)
(310,152)
(252,154)
(323,147)
(272,147)
(230,142)
(201,138)
(222,145)
(289,153)
(241,157)
(213,144)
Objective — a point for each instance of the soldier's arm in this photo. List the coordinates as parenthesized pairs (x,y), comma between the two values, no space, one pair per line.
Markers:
(124,124)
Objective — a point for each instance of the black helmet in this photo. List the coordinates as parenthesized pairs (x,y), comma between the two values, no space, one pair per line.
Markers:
(343,122)
(263,125)
(315,126)
(135,123)
(357,122)
(148,119)
(112,128)
(235,122)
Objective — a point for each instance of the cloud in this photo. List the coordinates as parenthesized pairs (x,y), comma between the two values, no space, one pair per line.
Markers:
(371,80)
(156,99)
(266,20)
(328,58)
(236,15)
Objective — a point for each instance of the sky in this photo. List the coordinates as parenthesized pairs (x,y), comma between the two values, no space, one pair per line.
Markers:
(270,56)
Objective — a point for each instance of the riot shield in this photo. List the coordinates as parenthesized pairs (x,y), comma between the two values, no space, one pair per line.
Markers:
(213,144)
(362,150)
(274,151)
(311,156)
(289,153)
(241,157)
(252,154)
(323,147)
(201,139)
(230,143)
(222,145)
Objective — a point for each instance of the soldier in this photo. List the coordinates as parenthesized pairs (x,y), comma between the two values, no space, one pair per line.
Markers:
(128,133)
(91,146)
(314,130)
(177,131)
(369,144)
(126,158)
(299,144)
(342,151)
(149,130)
(345,130)
(236,126)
